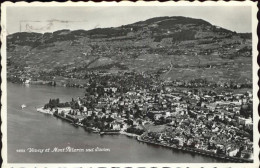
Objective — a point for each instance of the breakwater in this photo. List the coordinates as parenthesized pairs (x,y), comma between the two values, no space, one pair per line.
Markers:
(63,118)
(110,133)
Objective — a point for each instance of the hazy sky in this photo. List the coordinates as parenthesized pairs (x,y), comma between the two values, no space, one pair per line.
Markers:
(49,19)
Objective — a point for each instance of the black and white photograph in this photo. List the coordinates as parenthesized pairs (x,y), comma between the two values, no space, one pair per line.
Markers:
(130,83)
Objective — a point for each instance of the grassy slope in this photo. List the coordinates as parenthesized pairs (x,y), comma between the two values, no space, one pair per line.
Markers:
(142,52)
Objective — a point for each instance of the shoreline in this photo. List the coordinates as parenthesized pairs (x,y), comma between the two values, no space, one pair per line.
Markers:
(48,83)
(198,151)
(139,138)
(100,132)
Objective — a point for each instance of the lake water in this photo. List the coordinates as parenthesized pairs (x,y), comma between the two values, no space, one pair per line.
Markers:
(30,129)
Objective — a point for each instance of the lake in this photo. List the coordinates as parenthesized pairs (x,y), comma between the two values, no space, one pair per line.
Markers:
(30,129)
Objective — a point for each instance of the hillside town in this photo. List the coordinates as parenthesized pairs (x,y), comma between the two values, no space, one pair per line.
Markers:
(195,117)
(178,82)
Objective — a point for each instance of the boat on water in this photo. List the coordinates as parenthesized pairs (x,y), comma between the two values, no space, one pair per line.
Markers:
(23,106)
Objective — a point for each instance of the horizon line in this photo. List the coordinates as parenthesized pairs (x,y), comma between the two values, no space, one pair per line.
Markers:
(57,20)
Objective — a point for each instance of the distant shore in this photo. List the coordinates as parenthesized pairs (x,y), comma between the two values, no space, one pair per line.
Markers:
(50,83)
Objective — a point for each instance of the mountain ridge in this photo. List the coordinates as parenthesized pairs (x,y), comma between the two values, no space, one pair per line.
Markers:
(192,45)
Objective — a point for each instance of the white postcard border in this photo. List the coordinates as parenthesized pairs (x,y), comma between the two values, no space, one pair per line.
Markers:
(180,165)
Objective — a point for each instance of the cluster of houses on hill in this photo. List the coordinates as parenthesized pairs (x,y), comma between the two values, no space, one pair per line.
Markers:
(217,122)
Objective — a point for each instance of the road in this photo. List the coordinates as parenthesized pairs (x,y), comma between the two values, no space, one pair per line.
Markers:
(171,66)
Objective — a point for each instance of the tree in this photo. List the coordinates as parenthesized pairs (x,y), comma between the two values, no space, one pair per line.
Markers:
(103,110)
(57,101)
(89,118)
(109,119)
(127,114)
(137,114)
(247,156)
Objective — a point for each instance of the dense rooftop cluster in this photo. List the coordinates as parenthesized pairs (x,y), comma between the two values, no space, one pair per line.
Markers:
(215,121)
